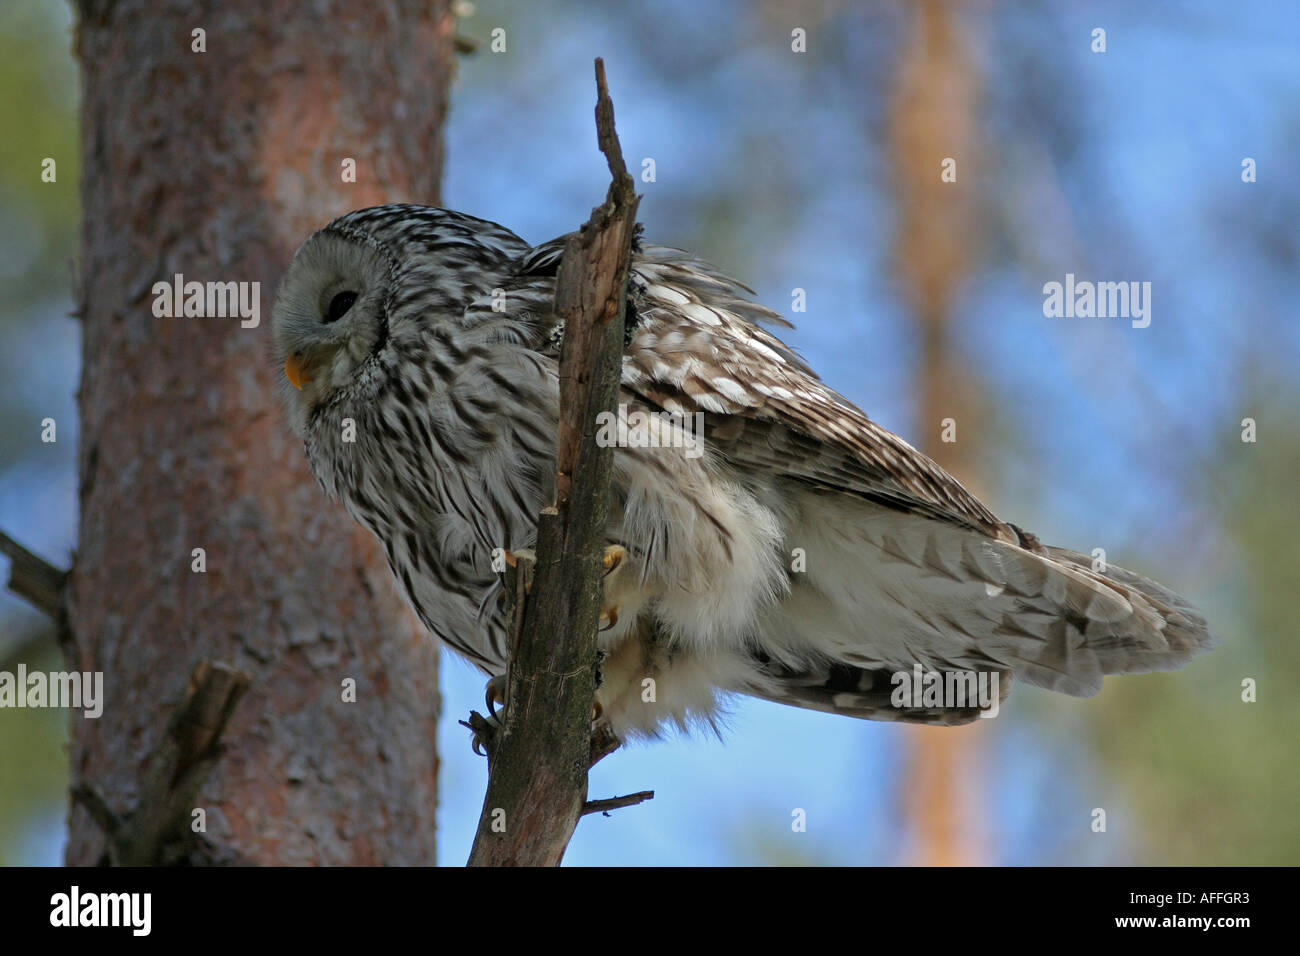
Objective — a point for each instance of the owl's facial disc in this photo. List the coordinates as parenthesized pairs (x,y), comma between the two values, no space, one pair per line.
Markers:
(300,367)
(329,317)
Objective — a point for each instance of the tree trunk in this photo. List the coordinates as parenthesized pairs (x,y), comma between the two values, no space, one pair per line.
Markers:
(216,165)
(934,119)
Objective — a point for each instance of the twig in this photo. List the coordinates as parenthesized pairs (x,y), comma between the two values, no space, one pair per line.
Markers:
(89,797)
(156,831)
(538,760)
(34,579)
(613,803)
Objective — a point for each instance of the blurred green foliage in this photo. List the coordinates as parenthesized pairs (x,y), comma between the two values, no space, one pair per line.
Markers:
(38,99)
(33,770)
(38,241)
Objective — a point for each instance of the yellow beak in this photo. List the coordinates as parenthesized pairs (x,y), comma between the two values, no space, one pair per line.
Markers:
(297,370)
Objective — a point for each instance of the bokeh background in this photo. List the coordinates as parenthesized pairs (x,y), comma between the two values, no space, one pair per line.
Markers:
(797,170)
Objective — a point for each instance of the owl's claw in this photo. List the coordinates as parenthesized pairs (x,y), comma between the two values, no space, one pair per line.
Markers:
(613,558)
(484,731)
(614,555)
(494,693)
(485,728)
(483,736)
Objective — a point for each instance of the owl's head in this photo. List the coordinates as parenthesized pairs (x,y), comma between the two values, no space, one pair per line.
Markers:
(368,277)
(330,316)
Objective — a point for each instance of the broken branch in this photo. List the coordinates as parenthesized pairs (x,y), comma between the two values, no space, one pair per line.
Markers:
(538,759)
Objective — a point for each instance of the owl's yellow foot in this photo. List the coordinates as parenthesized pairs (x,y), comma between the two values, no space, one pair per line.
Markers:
(485,728)
(613,563)
(484,731)
(614,557)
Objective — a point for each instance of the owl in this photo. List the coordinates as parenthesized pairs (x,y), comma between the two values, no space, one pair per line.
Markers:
(765,537)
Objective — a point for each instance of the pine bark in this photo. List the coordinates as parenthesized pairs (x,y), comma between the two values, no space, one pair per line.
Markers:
(216,165)
(935,118)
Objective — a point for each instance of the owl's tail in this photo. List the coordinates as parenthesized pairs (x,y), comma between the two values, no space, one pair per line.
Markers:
(1111,621)
(904,593)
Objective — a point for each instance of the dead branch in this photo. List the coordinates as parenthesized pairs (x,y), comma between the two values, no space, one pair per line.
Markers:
(34,579)
(157,832)
(613,803)
(538,759)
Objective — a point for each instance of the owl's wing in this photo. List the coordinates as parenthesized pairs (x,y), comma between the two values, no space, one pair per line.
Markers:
(696,343)
(975,592)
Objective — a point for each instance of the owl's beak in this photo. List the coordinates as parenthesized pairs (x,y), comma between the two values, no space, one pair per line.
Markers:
(298,368)
(301,366)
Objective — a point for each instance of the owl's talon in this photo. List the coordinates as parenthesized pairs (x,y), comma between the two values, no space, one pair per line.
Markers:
(484,731)
(481,742)
(611,561)
(494,693)
(613,557)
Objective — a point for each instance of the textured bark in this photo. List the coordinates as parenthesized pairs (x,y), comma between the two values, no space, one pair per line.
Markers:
(537,782)
(935,117)
(217,165)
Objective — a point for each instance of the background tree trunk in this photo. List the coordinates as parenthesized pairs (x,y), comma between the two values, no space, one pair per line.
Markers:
(935,118)
(217,165)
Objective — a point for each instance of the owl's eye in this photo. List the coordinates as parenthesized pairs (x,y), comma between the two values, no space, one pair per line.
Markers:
(339,306)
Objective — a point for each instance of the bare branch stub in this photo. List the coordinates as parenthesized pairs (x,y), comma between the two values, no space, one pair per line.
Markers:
(34,579)
(155,832)
(538,760)
(43,586)
(614,803)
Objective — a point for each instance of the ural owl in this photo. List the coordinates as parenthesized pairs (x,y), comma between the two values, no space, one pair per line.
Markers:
(794,551)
